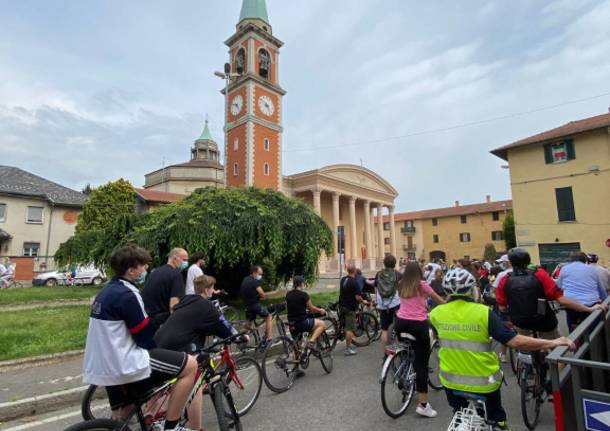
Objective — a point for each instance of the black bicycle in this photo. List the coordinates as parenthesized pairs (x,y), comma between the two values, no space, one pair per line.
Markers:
(532,374)
(254,327)
(367,326)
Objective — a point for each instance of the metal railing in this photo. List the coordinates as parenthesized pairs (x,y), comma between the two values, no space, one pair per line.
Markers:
(581,380)
(408,229)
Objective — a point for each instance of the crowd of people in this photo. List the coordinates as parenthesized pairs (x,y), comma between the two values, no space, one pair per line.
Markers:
(139,338)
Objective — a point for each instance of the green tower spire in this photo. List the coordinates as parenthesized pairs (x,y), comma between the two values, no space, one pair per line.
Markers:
(206,135)
(254,9)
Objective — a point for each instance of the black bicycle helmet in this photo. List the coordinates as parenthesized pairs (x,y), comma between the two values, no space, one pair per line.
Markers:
(519,258)
(592,258)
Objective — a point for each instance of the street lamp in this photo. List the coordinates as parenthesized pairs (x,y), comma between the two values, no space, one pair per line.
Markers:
(227,76)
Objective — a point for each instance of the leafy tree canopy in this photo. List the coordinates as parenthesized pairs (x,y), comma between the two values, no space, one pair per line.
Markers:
(490,254)
(107,204)
(509,230)
(234,228)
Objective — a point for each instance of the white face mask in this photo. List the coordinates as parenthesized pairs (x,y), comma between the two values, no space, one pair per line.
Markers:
(259,277)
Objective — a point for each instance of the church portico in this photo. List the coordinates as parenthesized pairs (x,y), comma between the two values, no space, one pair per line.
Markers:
(348,207)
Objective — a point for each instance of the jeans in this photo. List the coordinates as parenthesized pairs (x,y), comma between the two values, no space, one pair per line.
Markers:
(493,404)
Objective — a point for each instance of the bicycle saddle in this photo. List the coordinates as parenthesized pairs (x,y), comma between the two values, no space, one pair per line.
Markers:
(406,336)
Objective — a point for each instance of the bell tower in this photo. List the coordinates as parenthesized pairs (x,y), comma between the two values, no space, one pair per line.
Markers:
(253,145)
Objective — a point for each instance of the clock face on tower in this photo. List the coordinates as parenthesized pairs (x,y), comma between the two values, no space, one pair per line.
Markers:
(266,105)
(236,104)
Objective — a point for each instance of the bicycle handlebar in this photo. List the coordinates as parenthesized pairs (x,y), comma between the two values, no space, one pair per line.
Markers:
(204,353)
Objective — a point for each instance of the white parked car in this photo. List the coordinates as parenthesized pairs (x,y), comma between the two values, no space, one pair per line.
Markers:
(83,275)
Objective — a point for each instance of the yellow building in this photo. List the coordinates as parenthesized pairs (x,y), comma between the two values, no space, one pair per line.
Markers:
(560,182)
(448,234)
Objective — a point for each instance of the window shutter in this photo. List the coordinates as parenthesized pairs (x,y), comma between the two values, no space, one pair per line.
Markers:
(570,149)
(565,204)
(548,154)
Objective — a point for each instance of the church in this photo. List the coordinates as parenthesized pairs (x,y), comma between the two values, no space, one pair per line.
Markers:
(349,198)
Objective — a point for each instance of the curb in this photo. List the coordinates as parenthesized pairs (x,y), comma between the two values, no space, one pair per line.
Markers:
(37,360)
(41,403)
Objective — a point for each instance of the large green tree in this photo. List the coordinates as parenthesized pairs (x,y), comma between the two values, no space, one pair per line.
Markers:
(235,228)
(490,254)
(509,231)
(106,205)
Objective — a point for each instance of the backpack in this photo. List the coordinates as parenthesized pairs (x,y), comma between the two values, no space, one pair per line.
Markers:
(387,283)
(527,304)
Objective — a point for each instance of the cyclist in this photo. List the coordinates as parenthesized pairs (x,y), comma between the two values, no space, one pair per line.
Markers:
(298,304)
(194,271)
(121,353)
(349,297)
(412,317)
(252,293)
(388,301)
(467,362)
(194,318)
(3,275)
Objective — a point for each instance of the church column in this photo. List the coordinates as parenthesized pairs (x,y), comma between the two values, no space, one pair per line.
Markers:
(392,231)
(317,206)
(367,231)
(353,240)
(381,250)
(336,196)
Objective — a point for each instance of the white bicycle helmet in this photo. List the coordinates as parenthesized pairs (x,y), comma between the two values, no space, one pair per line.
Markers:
(458,281)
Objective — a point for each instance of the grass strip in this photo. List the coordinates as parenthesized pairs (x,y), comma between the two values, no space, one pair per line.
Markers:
(29,295)
(42,331)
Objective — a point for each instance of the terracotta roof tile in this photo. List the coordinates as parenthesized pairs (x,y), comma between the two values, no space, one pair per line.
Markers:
(160,197)
(571,128)
(452,211)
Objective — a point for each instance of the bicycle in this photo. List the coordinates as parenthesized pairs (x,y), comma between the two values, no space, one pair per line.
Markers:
(398,375)
(252,328)
(9,283)
(243,376)
(367,327)
(531,376)
(281,363)
(468,418)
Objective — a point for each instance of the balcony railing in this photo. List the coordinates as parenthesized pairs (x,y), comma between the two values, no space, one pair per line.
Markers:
(406,247)
(408,229)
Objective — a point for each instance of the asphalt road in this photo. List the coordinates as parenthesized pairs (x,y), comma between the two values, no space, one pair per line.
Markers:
(347,399)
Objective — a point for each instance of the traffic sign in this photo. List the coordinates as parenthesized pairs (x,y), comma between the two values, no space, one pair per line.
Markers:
(597,415)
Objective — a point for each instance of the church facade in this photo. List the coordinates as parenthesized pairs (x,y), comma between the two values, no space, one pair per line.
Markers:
(348,197)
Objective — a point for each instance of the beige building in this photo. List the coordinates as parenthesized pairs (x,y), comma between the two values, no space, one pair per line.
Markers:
(560,181)
(451,233)
(203,170)
(36,215)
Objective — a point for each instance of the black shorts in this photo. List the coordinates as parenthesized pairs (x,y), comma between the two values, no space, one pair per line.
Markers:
(386,317)
(256,310)
(301,326)
(164,365)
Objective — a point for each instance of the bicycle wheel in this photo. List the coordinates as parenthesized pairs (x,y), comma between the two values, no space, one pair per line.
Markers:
(326,353)
(98,425)
(231,313)
(246,384)
(434,367)
(331,330)
(397,384)
(227,416)
(367,327)
(280,364)
(251,332)
(95,404)
(530,396)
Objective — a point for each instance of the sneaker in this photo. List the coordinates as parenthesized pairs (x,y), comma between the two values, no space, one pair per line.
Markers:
(427,411)
(349,351)
(502,426)
(503,358)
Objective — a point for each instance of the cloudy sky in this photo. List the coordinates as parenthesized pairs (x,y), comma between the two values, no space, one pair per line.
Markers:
(97,90)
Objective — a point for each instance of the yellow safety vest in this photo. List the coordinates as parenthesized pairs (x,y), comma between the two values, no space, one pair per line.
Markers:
(466,359)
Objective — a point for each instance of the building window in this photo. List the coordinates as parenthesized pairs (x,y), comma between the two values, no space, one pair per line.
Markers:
(34,215)
(559,152)
(497,235)
(386,241)
(240,61)
(234,169)
(495,216)
(386,225)
(266,168)
(235,144)
(264,63)
(434,222)
(266,144)
(2,212)
(435,238)
(31,248)
(465,237)
(409,223)
(463,219)
(565,204)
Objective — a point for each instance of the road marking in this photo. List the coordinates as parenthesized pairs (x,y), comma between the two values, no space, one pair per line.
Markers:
(50,420)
